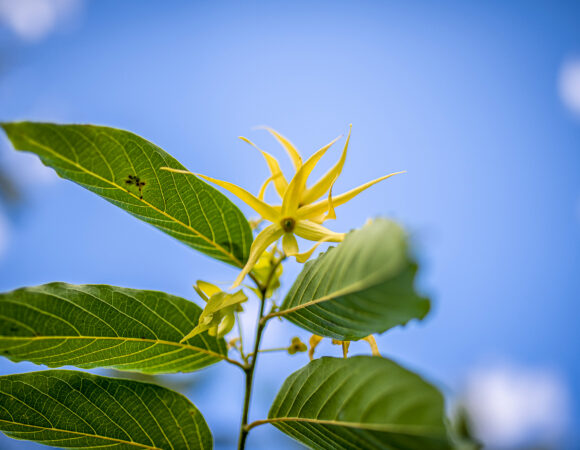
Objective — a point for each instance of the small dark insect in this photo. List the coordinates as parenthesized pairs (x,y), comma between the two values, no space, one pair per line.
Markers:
(136,181)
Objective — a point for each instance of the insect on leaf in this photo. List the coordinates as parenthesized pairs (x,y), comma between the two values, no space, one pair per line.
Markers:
(124,169)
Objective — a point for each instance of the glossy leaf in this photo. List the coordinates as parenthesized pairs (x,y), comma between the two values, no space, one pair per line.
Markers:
(124,169)
(363,402)
(91,326)
(68,409)
(362,286)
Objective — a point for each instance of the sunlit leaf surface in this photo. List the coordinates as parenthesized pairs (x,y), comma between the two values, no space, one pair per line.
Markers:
(362,402)
(124,169)
(91,326)
(68,409)
(365,285)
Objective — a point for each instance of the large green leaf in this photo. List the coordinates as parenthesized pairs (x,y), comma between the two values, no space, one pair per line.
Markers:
(70,409)
(363,286)
(91,326)
(103,159)
(358,403)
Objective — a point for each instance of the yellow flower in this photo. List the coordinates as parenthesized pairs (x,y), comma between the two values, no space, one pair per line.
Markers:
(217,318)
(300,213)
(262,270)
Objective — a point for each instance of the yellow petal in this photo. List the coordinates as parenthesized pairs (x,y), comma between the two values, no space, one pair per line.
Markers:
(316,209)
(374,347)
(201,293)
(207,288)
(229,300)
(263,188)
(293,195)
(345,346)
(260,244)
(290,149)
(198,329)
(303,257)
(289,244)
(314,341)
(315,232)
(318,219)
(327,180)
(278,177)
(262,208)
(331,214)
(226,325)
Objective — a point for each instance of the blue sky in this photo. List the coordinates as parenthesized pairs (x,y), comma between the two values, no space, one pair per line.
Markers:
(463,95)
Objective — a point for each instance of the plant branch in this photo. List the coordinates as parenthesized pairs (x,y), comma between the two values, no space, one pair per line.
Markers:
(249,369)
(235,363)
(257,423)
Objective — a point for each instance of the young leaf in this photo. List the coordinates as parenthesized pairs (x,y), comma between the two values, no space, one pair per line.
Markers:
(363,402)
(361,287)
(68,409)
(91,326)
(124,169)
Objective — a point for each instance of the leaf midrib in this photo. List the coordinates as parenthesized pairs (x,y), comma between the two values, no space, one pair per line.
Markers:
(82,168)
(118,338)
(392,428)
(357,286)
(121,441)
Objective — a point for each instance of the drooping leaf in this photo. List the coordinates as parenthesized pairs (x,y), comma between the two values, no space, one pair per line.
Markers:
(124,169)
(91,326)
(363,286)
(363,402)
(68,409)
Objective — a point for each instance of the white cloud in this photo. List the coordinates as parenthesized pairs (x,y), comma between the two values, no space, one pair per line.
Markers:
(33,20)
(513,406)
(569,84)
(26,169)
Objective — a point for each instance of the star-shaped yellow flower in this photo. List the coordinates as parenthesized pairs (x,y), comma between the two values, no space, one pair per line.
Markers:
(300,213)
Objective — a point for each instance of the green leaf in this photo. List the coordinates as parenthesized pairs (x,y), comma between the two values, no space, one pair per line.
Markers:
(361,287)
(103,159)
(68,409)
(91,326)
(362,402)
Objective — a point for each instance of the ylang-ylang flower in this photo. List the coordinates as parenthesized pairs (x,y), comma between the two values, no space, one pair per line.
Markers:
(302,211)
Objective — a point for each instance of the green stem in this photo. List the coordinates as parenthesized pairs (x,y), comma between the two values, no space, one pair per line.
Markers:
(250,378)
(249,369)
(277,349)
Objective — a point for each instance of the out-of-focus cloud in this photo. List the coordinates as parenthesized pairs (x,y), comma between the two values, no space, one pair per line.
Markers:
(26,169)
(513,406)
(569,85)
(32,20)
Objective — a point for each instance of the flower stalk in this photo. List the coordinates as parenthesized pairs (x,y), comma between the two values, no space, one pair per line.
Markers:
(250,367)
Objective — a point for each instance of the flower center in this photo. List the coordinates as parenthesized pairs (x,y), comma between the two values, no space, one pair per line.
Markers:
(288,224)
